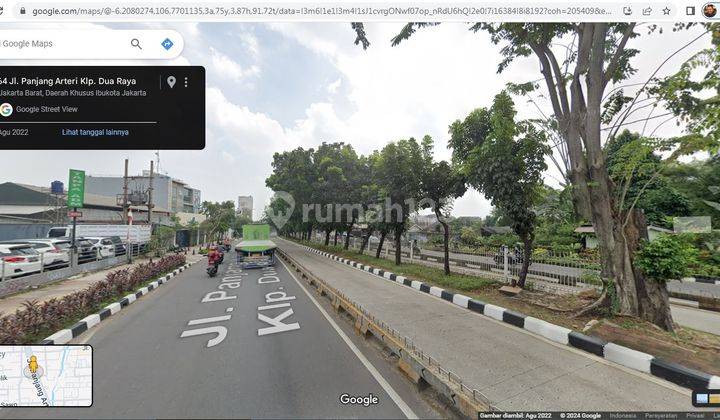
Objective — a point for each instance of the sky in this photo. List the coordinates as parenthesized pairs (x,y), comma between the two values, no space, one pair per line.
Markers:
(274,87)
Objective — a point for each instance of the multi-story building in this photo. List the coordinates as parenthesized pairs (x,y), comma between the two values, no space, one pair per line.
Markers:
(168,193)
(245,206)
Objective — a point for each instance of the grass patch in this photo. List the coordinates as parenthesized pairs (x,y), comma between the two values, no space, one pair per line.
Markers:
(434,276)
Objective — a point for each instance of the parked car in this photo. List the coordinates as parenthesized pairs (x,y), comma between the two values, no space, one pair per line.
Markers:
(104,246)
(55,252)
(86,251)
(18,260)
(120,247)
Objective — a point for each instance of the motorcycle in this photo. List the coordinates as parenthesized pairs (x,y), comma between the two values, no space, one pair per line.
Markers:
(212,269)
(214,261)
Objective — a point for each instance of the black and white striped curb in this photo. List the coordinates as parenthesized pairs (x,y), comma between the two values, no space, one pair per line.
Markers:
(630,358)
(65,335)
(701,279)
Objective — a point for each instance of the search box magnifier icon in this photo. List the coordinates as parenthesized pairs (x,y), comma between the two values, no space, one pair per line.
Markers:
(135,43)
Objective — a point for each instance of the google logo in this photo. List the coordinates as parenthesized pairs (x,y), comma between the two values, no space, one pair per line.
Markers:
(6,109)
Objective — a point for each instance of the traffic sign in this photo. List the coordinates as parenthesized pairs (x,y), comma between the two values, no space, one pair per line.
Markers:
(74,214)
(76,189)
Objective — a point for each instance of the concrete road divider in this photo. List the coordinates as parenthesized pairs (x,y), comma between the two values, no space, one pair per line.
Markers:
(545,329)
(681,375)
(590,344)
(461,300)
(628,357)
(624,356)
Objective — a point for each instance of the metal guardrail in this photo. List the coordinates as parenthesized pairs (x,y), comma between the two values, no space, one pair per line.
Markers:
(415,362)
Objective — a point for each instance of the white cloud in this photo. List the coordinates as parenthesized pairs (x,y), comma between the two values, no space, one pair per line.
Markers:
(227,67)
(250,43)
(334,86)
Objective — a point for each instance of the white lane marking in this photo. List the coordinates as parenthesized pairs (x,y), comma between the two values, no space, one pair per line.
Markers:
(402,405)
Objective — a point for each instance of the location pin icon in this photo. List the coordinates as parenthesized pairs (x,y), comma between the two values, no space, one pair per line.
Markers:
(171,81)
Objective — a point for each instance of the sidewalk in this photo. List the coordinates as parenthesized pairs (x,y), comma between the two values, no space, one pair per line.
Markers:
(514,369)
(61,288)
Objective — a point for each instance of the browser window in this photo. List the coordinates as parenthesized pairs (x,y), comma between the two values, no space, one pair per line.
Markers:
(324,209)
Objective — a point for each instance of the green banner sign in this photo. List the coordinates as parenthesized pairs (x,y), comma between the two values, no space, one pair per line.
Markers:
(76,188)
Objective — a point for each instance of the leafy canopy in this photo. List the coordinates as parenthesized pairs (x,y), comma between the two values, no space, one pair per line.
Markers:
(502,158)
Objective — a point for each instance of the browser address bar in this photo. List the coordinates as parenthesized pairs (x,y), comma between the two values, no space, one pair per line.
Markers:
(90,44)
(333,10)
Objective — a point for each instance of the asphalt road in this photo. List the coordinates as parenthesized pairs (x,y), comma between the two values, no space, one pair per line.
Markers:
(698,319)
(277,355)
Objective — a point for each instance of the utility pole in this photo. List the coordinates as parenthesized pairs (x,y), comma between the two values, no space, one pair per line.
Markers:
(125,194)
(150,195)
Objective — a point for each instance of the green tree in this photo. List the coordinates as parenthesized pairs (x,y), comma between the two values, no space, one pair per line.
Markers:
(699,181)
(399,179)
(666,258)
(555,218)
(685,92)
(598,55)
(638,172)
(339,187)
(497,217)
(505,160)
(220,218)
(440,185)
(294,172)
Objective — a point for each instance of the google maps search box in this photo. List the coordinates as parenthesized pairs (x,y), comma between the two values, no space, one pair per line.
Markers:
(90,44)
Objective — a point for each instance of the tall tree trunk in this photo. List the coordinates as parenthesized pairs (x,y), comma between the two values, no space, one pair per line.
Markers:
(310,232)
(347,238)
(327,237)
(446,241)
(336,235)
(398,248)
(527,254)
(617,255)
(653,298)
(383,234)
(580,122)
(365,240)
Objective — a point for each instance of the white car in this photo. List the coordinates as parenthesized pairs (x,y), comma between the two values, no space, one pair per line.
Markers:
(55,252)
(104,246)
(18,259)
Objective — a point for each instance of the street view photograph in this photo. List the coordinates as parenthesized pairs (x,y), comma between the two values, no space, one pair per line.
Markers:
(210,211)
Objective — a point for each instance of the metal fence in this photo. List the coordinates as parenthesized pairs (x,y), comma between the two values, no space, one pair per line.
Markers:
(546,272)
(129,252)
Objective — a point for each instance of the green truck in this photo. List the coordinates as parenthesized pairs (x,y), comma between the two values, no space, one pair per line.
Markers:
(256,250)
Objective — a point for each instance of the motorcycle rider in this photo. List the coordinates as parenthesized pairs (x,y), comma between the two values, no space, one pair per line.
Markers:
(214,256)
